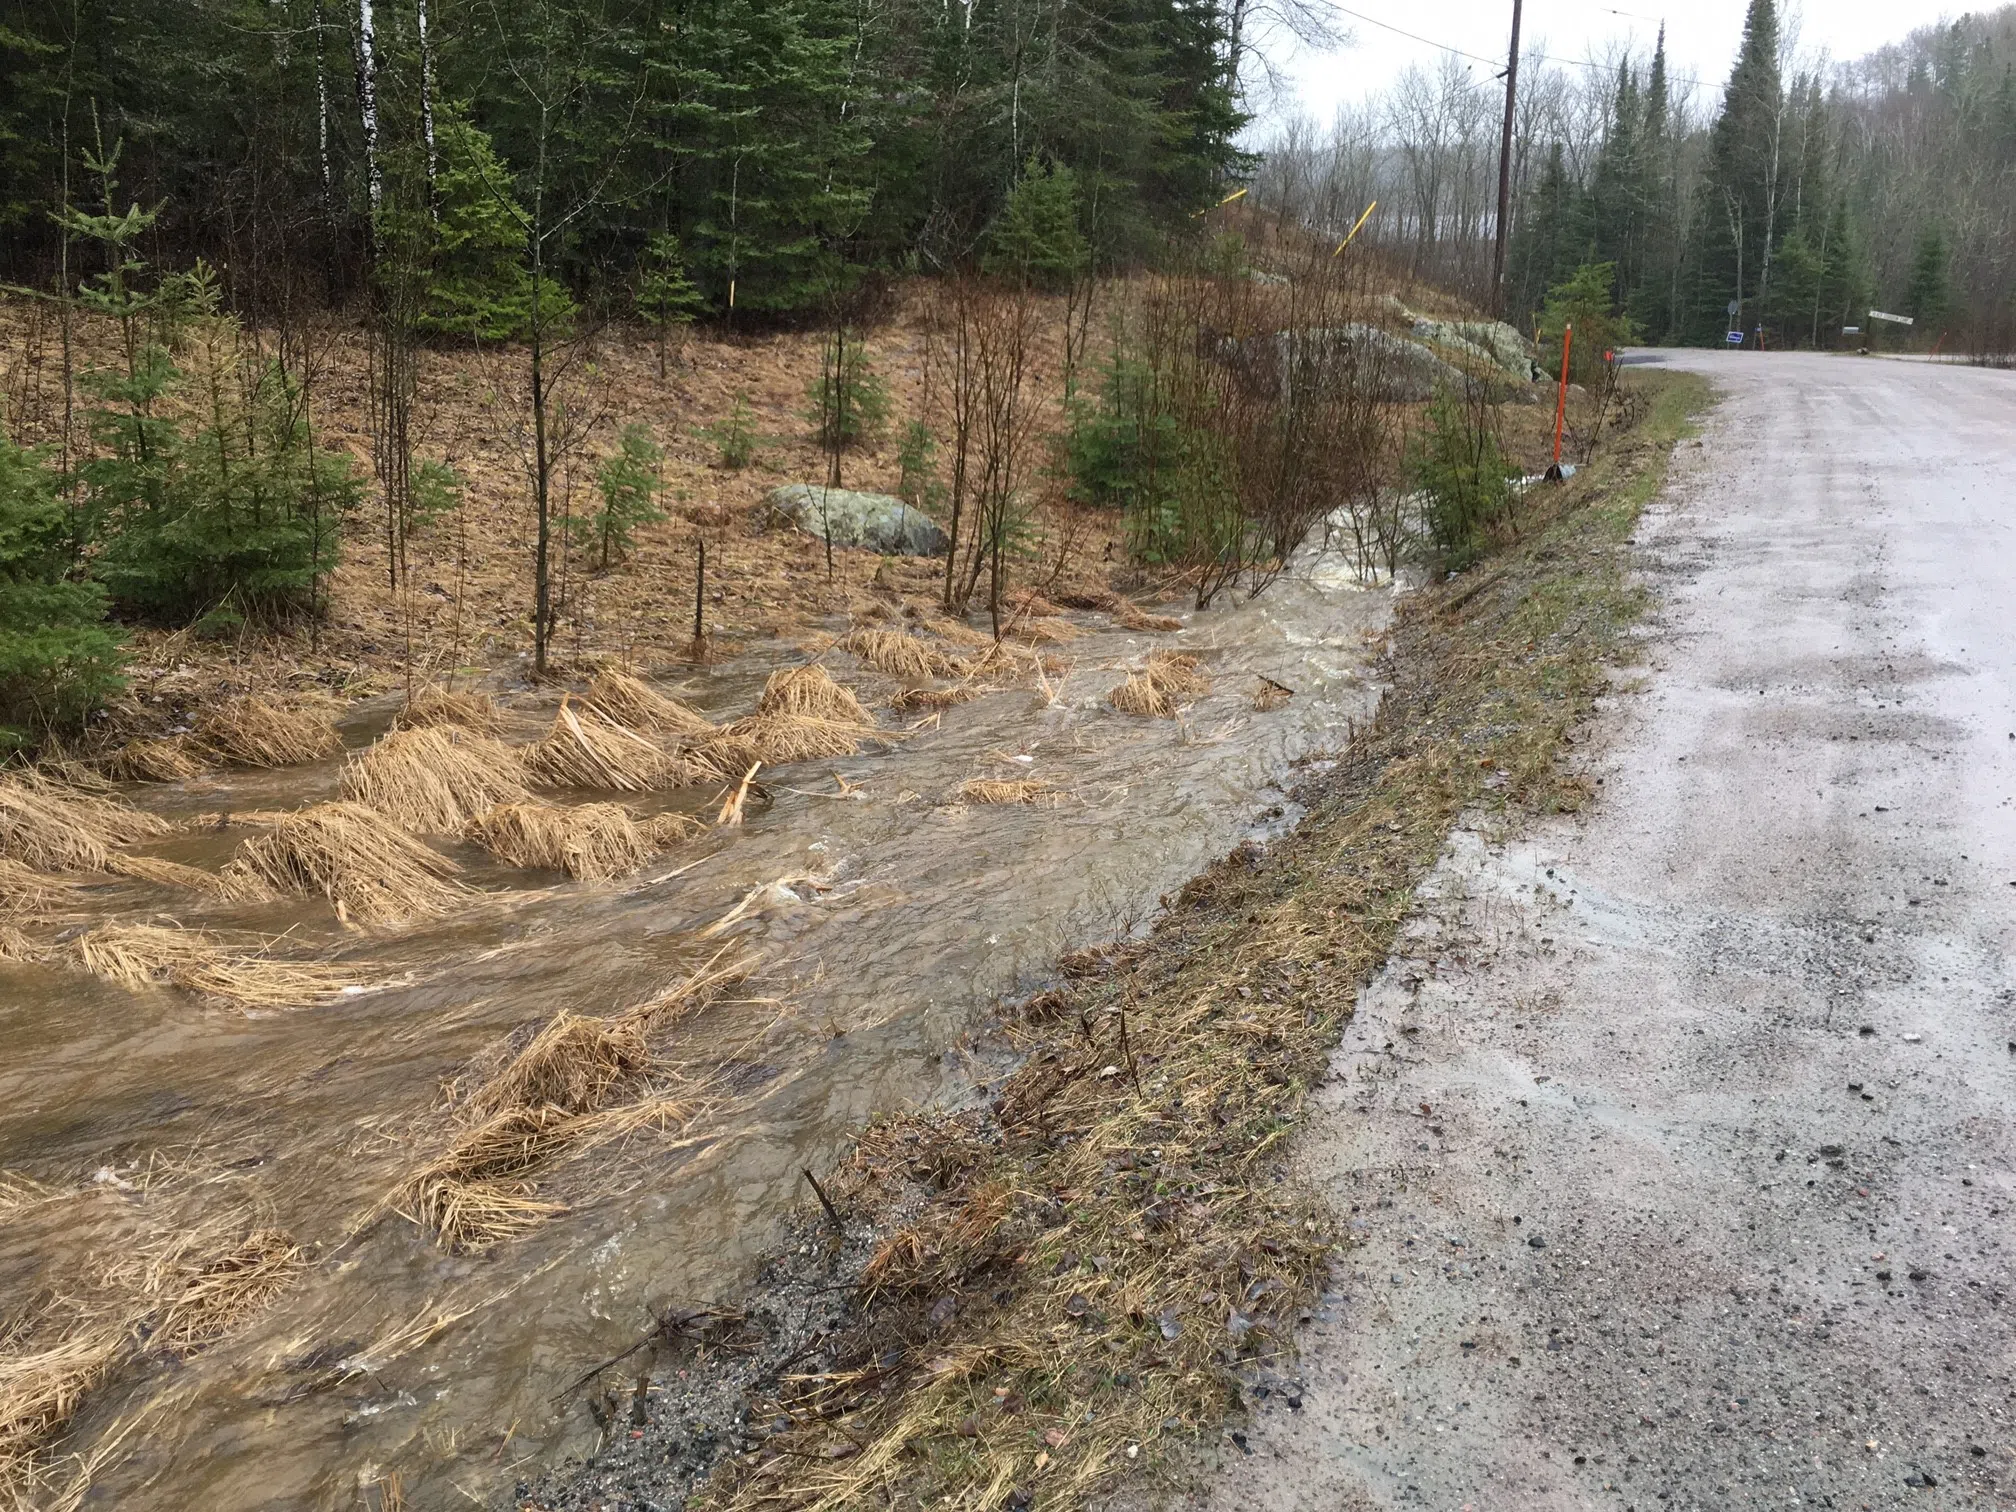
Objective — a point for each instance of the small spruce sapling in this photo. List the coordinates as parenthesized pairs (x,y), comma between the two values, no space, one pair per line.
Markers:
(630,480)
(733,436)
(665,297)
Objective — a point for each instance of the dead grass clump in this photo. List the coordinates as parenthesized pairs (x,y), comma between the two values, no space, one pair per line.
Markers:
(371,870)
(1130,616)
(586,749)
(1027,601)
(776,740)
(809,692)
(663,831)
(41,1388)
(1085,596)
(1169,679)
(255,732)
(139,956)
(52,827)
(996,790)
(920,700)
(631,701)
(431,707)
(1178,674)
(588,842)
(29,894)
(574,1063)
(900,654)
(231,887)
(175,758)
(1271,695)
(435,779)
(1039,631)
(227,1288)
(1140,695)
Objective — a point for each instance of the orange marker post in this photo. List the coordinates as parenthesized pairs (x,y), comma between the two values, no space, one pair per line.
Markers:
(1561,402)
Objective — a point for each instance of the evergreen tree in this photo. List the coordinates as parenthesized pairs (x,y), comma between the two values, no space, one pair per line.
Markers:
(58,661)
(1036,239)
(1552,240)
(1930,293)
(1738,220)
(1650,296)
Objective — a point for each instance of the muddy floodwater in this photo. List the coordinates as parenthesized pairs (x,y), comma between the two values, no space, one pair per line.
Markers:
(888,918)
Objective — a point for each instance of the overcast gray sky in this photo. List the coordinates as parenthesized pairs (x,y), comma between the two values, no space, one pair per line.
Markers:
(1701,36)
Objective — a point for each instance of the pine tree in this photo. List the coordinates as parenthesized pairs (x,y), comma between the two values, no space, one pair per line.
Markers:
(1552,239)
(1616,192)
(1930,294)
(1738,218)
(1650,299)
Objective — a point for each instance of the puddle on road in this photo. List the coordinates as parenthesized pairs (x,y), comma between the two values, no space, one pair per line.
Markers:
(393,1355)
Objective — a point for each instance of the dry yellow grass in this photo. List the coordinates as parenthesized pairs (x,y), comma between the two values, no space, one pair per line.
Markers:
(579,1082)
(775,740)
(574,1063)
(430,706)
(139,956)
(174,758)
(256,732)
(586,749)
(227,1287)
(1159,689)
(920,700)
(435,779)
(1130,616)
(53,827)
(809,692)
(27,894)
(372,871)
(589,841)
(629,700)
(998,790)
(901,655)
(664,831)
(230,887)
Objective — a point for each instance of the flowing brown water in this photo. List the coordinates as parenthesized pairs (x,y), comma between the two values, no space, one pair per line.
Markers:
(920,913)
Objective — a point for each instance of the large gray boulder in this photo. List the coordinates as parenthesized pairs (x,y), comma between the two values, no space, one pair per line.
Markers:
(1323,358)
(880,522)
(1490,341)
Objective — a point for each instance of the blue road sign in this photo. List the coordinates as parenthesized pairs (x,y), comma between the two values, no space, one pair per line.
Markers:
(1735,338)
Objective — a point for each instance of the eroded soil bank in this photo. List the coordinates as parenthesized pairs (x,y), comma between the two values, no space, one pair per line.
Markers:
(1075,1271)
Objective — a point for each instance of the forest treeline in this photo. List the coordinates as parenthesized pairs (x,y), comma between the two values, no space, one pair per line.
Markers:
(1800,192)
(730,151)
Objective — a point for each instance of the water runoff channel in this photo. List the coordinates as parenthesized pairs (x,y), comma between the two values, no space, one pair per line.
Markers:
(889,918)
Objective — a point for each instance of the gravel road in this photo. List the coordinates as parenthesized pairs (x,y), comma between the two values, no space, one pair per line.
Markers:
(1677,1137)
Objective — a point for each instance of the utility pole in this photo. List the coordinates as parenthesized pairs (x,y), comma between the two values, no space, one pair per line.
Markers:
(1505,169)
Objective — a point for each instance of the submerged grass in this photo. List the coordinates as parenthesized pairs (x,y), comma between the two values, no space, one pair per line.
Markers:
(435,779)
(575,1084)
(587,749)
(1069,1283)
(52,826)
(432,707)
(372,871)
(140,956)
(256,732)
(629,700)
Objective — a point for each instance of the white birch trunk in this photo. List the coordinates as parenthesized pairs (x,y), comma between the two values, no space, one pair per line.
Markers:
(427,96)
(367,99)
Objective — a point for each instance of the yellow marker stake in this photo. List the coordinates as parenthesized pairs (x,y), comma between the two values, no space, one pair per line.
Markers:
(1355,229)
(1235,194)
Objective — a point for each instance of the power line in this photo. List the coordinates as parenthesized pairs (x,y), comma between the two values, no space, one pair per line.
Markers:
(1492,63)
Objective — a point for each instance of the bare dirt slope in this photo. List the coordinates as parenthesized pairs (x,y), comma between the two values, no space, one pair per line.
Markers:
(1678,1136)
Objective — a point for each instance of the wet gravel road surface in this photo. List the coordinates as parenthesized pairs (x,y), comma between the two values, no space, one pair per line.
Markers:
(1677,1137)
